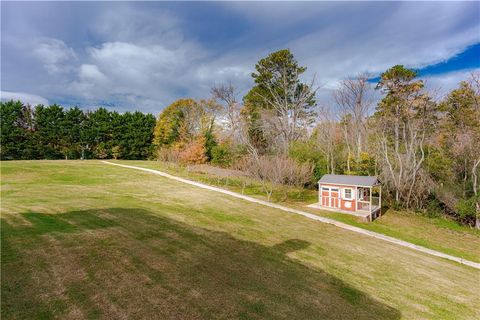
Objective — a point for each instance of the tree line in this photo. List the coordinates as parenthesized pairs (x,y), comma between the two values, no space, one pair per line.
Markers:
(52,132)
(425,150)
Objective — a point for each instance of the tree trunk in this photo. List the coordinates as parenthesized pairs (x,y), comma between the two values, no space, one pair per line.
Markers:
(345,134)
(475,192)
(477,214)
(359,145)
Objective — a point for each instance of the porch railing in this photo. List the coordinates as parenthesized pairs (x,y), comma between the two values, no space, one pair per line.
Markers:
(365,203)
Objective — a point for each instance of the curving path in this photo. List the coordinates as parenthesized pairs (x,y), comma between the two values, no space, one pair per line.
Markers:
(308,215)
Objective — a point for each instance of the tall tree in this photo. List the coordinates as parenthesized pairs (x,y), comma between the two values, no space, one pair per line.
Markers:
(326,133)
(279,101)
(98,133)
(49,130)
(170,122)
(354,99)
(16,126)
(460,139)
(186,120)
(135,143)
(403,120)
(72,131)
(227,95)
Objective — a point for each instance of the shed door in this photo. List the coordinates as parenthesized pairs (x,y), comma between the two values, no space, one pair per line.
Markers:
(330,197)
(326,196)
(335,198)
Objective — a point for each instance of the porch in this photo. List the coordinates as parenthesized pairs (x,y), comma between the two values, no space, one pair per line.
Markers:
(361,213)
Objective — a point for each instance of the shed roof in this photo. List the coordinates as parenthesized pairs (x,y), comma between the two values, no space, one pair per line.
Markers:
(366,181)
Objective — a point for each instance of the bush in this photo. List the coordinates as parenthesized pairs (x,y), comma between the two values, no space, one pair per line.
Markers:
(209,142)
(365,166)
(101,151)
(466,210)
(274,170)
(222,155)
(194,152)
(434,208)
(117,152)
(168,154)
(307,152)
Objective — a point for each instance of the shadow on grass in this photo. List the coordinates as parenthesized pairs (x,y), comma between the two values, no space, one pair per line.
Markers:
(118,262)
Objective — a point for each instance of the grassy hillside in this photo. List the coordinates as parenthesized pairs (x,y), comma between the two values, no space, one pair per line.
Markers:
(86,240)
(438,233)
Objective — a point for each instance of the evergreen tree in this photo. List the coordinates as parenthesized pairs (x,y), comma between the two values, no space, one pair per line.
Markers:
(49,130)
(72,128)
(13,134)
(278,89)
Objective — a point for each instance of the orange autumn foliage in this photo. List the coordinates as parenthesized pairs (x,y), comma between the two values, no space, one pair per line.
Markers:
(194,152)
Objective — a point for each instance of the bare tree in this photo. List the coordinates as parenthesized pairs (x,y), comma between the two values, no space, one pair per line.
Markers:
(227,94)
(326,135)
(402,137)
(354,100)
(278,170)
(474,82)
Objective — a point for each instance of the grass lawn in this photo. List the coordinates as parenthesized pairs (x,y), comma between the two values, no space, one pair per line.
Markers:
(87,240)
(439,233)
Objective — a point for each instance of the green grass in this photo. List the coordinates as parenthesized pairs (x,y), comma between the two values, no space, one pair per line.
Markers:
(436,233)
(87,240)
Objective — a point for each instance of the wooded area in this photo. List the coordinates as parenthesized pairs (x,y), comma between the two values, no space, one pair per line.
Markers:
(425,150)
(52,132)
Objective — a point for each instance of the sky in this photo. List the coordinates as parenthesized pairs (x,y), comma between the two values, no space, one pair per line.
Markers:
(145,55)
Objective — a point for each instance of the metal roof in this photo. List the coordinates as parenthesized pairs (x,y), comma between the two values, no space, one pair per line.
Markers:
(366,181)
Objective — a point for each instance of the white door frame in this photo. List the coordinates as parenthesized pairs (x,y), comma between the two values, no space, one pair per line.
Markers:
(330,201)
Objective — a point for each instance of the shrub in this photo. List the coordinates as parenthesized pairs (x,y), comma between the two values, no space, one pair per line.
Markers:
(466,209)
(209,142)
(277,170)
(306,151)
(116,152)
(168,154)
(194,152)
(433,208)
(101,151)
(222,155)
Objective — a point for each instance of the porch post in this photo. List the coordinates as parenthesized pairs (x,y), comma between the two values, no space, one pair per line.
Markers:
(380,200)
(320,193)
(370,204)
(356,198)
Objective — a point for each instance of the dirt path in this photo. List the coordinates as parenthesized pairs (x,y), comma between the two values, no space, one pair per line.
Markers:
(308,215)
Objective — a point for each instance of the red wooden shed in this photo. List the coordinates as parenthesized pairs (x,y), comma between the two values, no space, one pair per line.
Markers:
(357,195)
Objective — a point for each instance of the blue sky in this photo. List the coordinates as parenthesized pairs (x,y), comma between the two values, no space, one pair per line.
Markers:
(144,55)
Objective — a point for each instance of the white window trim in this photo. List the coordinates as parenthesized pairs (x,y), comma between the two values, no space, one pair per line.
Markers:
(351,194)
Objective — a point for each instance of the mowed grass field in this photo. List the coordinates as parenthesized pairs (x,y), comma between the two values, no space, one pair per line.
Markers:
(84,240)
(437,233)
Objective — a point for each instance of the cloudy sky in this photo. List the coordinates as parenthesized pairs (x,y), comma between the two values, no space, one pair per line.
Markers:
(143,56)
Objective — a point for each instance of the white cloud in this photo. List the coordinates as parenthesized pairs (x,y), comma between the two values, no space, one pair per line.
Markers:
(148,55)
(146,58)
(26,98)
(135,62)
(441,84)
(121,68)
(415,38)
(90,72)
(129,24)
(56,56)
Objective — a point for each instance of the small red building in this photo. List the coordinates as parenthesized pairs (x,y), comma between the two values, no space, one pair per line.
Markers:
(357,195)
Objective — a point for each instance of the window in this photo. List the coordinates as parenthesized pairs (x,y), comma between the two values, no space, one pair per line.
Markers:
(347,194)
(334,190)
(325,189)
